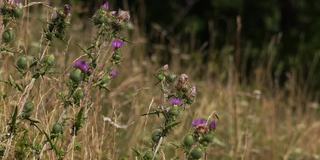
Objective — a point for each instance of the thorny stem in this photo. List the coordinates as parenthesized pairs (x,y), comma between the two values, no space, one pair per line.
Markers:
(48,139)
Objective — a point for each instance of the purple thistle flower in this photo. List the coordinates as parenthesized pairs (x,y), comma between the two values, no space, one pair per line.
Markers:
(116,44)
(82,65)
(113,74)
(105,6)
(213,125)
(175,101)
(199,122)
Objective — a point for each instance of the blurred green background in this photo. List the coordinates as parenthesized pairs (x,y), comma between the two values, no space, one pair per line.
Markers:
(284,35)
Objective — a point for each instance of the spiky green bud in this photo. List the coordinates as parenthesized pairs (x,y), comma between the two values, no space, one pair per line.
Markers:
(156,135)
(57,128)
(196,153)
(49,59)
(161,77)
(22,63)
(76,76)
(8,35)
(188,140)
(27,109)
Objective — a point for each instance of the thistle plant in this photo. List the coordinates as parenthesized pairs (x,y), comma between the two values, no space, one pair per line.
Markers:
(37,129)
(93,70)
(177,95)
(59,21)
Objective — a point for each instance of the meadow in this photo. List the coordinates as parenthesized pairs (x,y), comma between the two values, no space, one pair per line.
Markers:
(75,88)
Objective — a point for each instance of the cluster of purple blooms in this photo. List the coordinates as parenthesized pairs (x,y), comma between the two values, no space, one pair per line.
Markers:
(202,125)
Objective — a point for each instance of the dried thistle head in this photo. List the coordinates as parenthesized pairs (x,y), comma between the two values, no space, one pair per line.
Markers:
(182,84)
(123,16)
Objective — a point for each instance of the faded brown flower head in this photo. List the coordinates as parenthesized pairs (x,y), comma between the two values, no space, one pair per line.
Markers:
(183,78)
(123,15)
(182,82)
(193,91)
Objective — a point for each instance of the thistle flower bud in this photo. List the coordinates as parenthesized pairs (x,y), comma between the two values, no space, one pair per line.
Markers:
(175,110)
(76,76)
(78,95)
(57,128)
(105,79)
(8,35)
(27,109)
(171,77)
(161,77)
(17,12)
(156,135)
(116,57)
(206,139)
(188,140)
(196,153)
(22,63)
(49,59)
(100,17)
